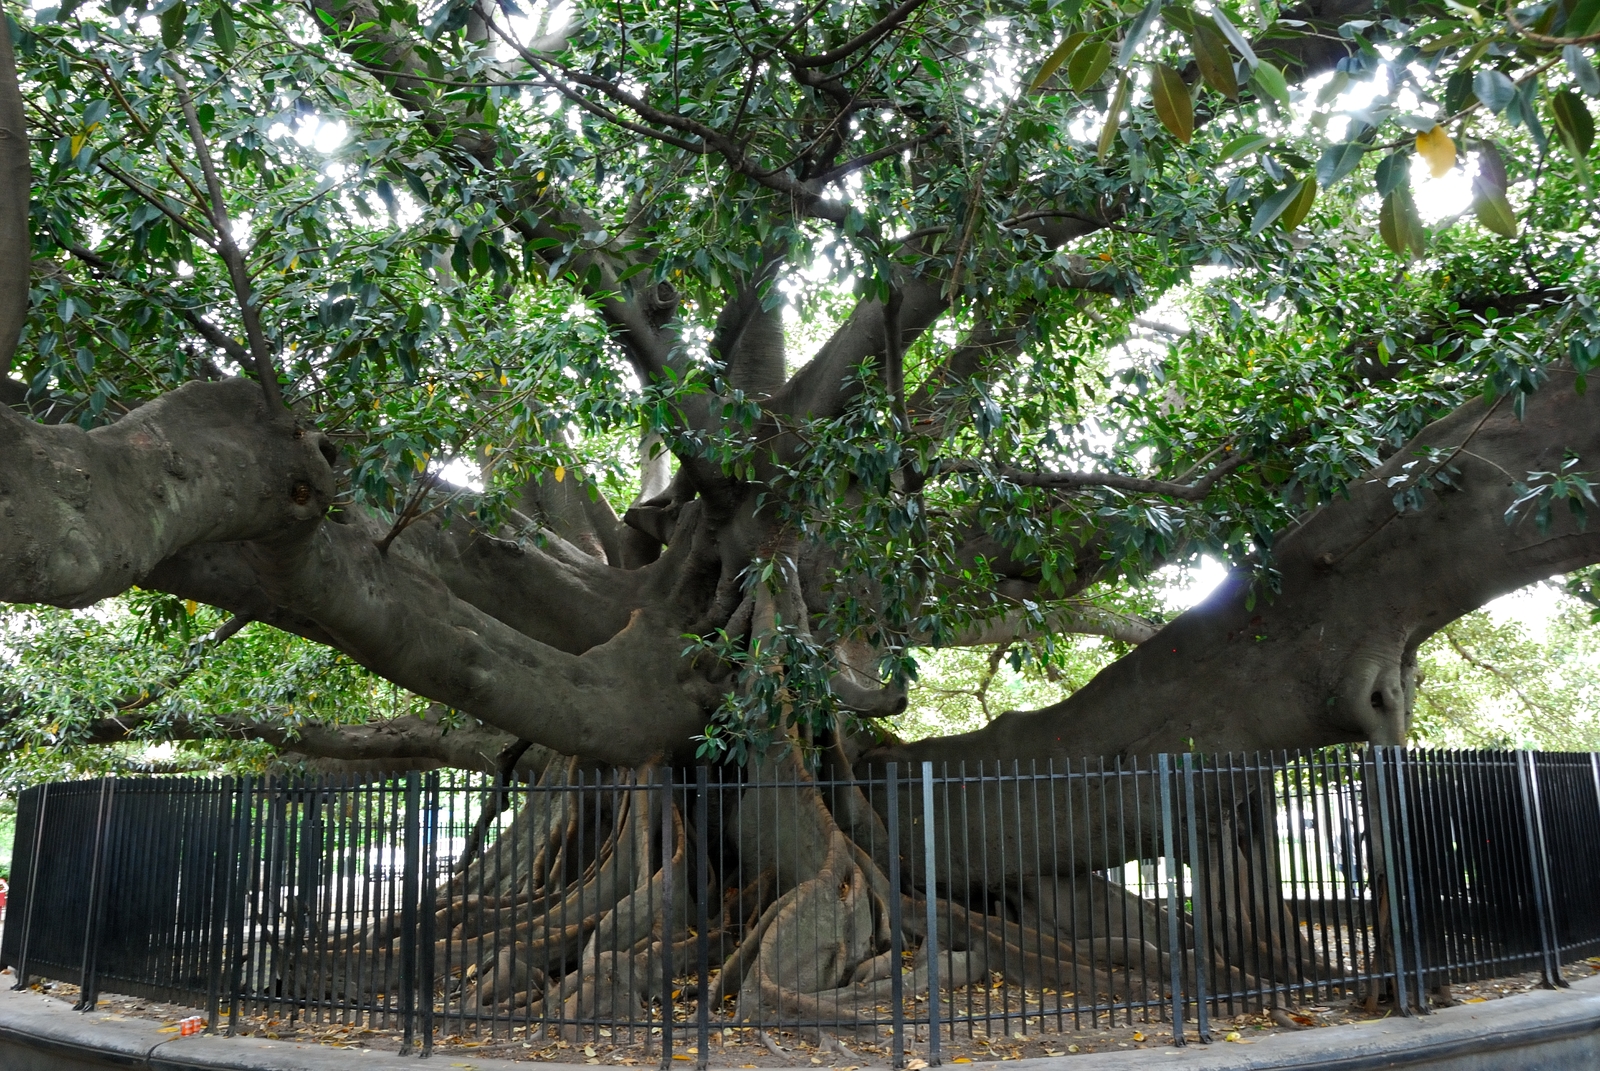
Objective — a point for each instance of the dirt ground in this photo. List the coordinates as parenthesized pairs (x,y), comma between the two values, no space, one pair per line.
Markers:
(736,1047)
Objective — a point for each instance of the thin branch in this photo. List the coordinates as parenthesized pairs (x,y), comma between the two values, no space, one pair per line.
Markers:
(1189,492)
(411,513)
(209,331)
(867,160)
(807,199)
(192,662)
(1489,667)
(238,274)
(870,36)
(1545,39)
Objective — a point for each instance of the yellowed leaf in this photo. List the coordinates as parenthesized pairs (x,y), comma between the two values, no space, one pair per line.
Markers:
(1232,1035)
(588,1050)
(561,473)
(1436,147)
(1137,1036)
(190,606)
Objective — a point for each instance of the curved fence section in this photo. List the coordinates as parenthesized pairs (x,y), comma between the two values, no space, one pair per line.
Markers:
(904,906)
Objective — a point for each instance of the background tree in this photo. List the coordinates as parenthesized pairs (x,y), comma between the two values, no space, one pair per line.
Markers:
(828,303)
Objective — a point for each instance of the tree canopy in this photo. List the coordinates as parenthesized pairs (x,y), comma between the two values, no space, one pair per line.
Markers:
(657,379)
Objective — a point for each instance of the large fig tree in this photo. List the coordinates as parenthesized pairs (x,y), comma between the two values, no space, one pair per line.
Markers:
(651,381)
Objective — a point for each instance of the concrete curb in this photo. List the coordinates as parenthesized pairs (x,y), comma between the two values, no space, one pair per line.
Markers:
(1544,1031)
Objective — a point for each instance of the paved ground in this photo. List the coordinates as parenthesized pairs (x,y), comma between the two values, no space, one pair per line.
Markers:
(39,1032)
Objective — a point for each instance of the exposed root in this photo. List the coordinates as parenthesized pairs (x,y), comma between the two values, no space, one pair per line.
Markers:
(772,1046)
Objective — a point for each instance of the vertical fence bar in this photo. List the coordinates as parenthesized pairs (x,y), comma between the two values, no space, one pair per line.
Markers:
(1535,791)
(1174,904)
(221,898)
(88,991)
(1197,908)
(897,1044)
(702,944)
(666,918)
(430,907)
(33,883)
(1538,858)
(410,884)
(931,946)
(1408,868)
(238,892)
(1386,836)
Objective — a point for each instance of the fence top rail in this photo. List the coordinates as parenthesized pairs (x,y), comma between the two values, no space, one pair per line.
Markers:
(723,778)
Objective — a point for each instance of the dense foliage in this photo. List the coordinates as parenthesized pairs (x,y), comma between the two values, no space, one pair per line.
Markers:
(1190,244)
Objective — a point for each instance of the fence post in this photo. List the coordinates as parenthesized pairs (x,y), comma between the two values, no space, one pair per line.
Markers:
(1174,904)
(897,1044)
(409,887)
(1197,908)
(932,943)
(666,918)
(702,944)
(33,885)
(238,892)
(1538,857)
(221,898)
(1408,864)
(1386,838)
(89,992)
(430,896)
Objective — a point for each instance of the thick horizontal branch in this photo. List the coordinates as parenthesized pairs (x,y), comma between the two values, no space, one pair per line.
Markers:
(86,514)
(1328,653)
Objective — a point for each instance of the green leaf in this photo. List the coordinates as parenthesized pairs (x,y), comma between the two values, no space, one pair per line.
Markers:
(1300,206)
(1269,210)
(172,21)
(1458,91)
(1394,171)
(1235,38)
(1582,70)
(1493,210)
(1581,22)
(1108,133)
(1088,64)
(1338,161)
(1495,89)
(1573,121)
(1244,144)
(1170,95)
(223,30)
(1054,61)
(1270,82)
(1212,55)
(1398,224)
(1138,30)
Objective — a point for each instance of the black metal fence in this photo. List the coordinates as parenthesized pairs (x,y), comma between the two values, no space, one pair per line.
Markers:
(909,905)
